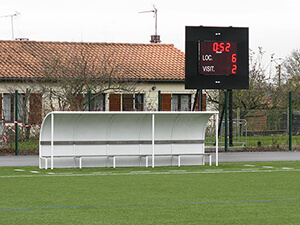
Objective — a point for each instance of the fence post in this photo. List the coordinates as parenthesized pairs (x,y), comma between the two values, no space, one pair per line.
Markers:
(90,100)
(290,121)
(16,124)
(159,100)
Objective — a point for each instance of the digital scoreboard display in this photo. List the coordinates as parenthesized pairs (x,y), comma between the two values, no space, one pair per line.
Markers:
(216,58)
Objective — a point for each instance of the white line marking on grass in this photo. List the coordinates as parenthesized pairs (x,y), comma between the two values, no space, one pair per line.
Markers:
(101,173)
(177,171)
(33,171)
(140,172)
(217,171)
(268,167)
(213,171)
(287,168)
(249,170)
(152,204)
(19,170)
(249,165)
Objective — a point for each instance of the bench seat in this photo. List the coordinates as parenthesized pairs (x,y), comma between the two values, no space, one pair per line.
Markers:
(80,157)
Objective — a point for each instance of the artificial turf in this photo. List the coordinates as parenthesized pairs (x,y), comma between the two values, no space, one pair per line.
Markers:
(233,193)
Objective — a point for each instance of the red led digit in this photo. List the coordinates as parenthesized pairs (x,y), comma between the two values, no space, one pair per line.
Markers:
(233,58)
(234,68)
(215,46)
(221,47)
(227,48)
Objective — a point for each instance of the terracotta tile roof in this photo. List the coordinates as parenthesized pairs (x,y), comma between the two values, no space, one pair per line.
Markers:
(24,59)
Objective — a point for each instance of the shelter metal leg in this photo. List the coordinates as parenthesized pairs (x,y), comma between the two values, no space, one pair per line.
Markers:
(114,161)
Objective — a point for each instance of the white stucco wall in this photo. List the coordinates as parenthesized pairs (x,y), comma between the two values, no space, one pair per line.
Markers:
(149,89)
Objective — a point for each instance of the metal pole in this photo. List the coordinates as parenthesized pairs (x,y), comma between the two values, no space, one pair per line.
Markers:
(230,118)
(201,100)
(195,100)
(217,140)
(153,138)
(16,124)
(226,121)
(159,100)
(221,119)
(90,100)
(52,139)
(290,121)
(155,12)
(12,27)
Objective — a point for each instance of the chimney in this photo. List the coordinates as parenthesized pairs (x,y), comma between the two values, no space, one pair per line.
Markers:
(21,39)
(155,39)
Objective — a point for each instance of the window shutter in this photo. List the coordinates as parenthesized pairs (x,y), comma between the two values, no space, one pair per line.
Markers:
(203,103)
(166,102)
(114,102)
(35,109)
(127,102)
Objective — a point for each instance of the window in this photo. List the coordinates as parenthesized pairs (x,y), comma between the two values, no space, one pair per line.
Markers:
(98,102)
(181,102)
(132,102)
(9,107)
(126,102)
(29,109)
(139,102)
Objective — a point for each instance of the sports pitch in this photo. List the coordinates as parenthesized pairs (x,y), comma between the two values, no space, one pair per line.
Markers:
(233,193)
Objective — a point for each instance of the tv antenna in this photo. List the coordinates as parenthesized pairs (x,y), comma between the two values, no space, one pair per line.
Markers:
(154,38)
(12,22)
(281,61)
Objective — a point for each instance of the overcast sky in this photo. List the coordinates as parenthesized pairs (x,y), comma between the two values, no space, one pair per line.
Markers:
(273,24)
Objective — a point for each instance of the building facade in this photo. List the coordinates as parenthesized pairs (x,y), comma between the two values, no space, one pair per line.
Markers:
(115,77)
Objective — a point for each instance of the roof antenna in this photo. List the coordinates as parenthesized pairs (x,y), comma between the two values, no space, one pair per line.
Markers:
(12,22)
(154,38)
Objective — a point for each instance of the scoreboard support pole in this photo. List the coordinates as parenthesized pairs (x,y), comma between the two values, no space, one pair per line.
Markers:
(195,100)
(230,116)
(226,121)
(198,95)
(201,100)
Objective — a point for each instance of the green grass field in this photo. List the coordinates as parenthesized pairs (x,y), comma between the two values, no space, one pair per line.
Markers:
(233,193)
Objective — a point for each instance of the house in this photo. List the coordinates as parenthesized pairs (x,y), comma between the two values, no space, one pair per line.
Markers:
(42,69)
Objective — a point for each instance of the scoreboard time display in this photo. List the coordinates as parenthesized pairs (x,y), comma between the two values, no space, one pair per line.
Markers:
(217,58)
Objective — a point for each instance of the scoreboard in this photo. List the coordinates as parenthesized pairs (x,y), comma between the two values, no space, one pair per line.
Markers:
(217,58)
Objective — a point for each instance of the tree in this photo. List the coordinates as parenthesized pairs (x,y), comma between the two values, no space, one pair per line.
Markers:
(71,76)
(291,67)
(258,96)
